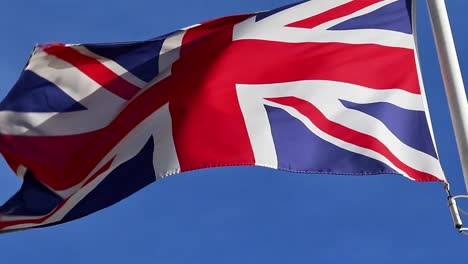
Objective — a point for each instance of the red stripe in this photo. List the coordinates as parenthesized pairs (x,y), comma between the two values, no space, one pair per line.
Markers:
(368,65)
(208,126)
(100,171)
(351,136)
(334,13)
(95,70)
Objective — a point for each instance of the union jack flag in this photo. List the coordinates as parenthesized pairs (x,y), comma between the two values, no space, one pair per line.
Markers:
(323,86)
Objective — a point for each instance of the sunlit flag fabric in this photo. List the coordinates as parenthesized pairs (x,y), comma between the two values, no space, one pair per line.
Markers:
(323,86)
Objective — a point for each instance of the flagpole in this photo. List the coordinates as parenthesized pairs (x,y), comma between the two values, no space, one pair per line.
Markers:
(452,77)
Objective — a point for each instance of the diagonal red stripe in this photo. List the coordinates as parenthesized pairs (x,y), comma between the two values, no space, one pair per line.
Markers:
(350,135)
(95,70)
(333,13)
(40,220)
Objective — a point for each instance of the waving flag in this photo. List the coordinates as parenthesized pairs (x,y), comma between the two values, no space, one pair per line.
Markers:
(323,86)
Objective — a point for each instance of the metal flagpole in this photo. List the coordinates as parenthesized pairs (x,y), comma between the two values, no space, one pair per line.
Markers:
(452,77)
(456,95)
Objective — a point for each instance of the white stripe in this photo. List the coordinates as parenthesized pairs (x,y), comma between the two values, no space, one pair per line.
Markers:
(103,106)
(112,65)
(21,171)
(299,35)
(258,127)
(189,27)
(170,51)
(334,90)
(165,161)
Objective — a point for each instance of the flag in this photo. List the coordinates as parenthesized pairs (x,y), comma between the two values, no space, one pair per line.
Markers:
(323,86)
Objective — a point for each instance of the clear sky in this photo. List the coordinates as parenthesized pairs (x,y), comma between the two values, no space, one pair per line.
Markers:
(236,215)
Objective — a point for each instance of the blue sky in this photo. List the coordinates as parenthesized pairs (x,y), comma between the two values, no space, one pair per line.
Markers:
(236,215)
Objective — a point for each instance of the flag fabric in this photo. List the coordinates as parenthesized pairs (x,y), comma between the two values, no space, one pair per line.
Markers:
(323,86)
